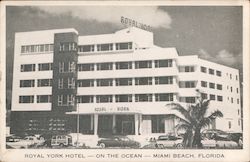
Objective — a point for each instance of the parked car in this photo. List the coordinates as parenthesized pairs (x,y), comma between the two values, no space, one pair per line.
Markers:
(13,138)
(27,142)
(169,141)
(61,140)
(208,143)
(118,141)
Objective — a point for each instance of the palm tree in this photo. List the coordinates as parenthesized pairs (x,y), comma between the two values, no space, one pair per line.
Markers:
(194,119)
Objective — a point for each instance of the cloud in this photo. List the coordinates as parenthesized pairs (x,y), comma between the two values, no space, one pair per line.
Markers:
(223,56)
(150,15)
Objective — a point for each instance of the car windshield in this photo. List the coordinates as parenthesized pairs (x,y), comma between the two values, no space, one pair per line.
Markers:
(124,139)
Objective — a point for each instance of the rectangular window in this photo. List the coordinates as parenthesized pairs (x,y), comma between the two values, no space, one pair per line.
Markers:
(143,98)
(163,63)
(68,46)
(86,99)
(229,125)
(123,82)
(123,98)
(187,84)
(61,67)
(44,66)
(203,83)
(203,69)
(164,80)
(104,82)
(230,76)
(204,96)
(60,100)
(72,66)
(86,83)
(27,83)
(60,83)
(219,86)
(28,67)
(219,98)
(218,73)
(43,98)
(231,89)
(143,81)
(186,69)
(158,123)
(86,67)
(105,47)
(236,77)
(70,100)
(143,64)
(44,82)
(86,48)
(232,100)
(237,90)
(105,66)
(211,85)
(123,46)
(211,71)
(104,98)
(71,83)
(164,97)
(212,97)
(26,99)
(36,48)
(238,101)
(123,65)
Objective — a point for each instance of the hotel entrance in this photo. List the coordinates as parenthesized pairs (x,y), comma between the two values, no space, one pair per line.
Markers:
(116,125)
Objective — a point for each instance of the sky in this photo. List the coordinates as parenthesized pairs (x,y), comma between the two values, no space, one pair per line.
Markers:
(213,33)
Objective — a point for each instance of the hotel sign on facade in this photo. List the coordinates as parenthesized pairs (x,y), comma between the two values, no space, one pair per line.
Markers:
(132,23)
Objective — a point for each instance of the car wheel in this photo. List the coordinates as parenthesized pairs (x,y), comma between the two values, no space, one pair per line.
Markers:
(61,145)
(102,145)
(179,146)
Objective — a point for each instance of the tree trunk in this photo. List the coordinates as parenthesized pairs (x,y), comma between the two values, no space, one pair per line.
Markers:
(197,138)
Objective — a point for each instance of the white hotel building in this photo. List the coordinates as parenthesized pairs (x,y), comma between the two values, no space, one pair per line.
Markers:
(122,83)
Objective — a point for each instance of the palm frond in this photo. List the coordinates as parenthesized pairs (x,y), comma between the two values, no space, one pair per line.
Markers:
(182,110)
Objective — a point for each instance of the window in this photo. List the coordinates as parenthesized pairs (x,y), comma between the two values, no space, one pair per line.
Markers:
(163,63)
(203,83)
(66,100)
(71,83)
(72,66)
(61,67)
(123,81)
(230,76)
(104,82)
(190,99)
(123,46)
(212,97)
(105,47)
(26,99)
(238,122)
(219,98)
(164,97)
(203,95)
(186,69)
(187,84)
(86,67)
(86,99)
(236,77)
(143,81)
(237,90)
(86,48)
(45,67)
(229,124)
(43,98)
(70,100)
(203,69)
(123,65)
(238,101)
(211,85)
(60,100)
(60,83)
(211,71)
(28,67)
(44,82)
(238,111)
(105,66)
(27,83)
(218,73)
(143,64)
(231,89)
(86,83)
(123,98)
(158,124)
(103,98)
(37,48)
(68,46)
(219,86)
(143,98)
(164,80)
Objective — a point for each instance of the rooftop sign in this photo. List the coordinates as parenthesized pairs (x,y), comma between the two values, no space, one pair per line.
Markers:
(130,22)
